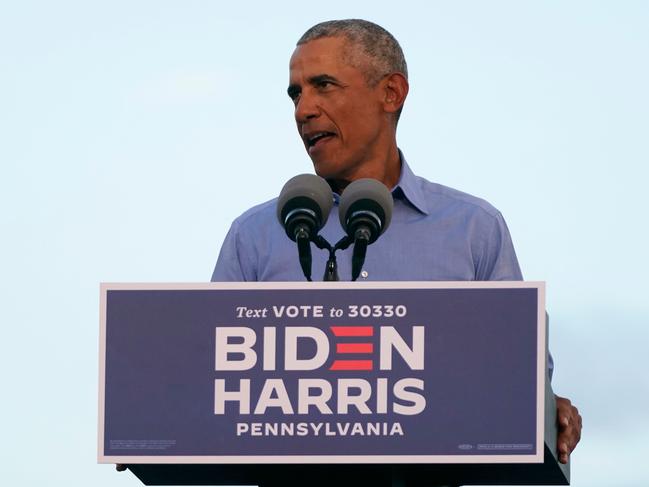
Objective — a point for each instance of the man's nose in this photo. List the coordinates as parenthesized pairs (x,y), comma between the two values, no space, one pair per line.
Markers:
(306,108)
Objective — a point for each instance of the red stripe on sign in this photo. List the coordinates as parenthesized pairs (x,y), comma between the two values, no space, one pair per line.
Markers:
(354,348)
(351,365)
(353,331)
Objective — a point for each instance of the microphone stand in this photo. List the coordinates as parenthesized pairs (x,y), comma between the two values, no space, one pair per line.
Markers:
(331,268)
(304,250)
(362,238)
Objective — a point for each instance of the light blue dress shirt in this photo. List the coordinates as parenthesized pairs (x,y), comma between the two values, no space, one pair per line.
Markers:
(436,234)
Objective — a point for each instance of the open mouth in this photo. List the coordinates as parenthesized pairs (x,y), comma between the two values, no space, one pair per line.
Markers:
(318,137)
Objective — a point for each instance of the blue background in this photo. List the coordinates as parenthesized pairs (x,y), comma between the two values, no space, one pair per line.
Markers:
(132,133)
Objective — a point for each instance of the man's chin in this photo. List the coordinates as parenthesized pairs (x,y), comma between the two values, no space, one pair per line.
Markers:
(324,169)
(333,176)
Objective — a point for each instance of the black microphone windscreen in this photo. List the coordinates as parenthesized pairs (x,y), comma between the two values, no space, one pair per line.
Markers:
(366,195)
(305,191)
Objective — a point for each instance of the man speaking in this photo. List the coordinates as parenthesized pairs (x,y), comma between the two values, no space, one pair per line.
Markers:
(348,83)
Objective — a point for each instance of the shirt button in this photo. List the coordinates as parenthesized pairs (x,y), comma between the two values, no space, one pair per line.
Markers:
(364,274)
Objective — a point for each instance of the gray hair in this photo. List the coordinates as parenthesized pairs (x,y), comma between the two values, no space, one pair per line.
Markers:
(381,48)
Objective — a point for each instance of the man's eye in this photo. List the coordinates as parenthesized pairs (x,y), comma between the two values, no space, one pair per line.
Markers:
(324,84)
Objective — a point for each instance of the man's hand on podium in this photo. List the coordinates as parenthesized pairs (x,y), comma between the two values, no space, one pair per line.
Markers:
(569,423)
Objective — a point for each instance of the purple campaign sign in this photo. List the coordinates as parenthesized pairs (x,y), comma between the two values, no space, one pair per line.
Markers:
(322,373)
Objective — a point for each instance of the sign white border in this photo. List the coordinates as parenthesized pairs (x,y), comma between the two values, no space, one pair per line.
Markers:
(342,459)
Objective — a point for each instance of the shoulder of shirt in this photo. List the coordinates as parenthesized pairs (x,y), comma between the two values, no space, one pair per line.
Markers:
(265,212)
(435,193)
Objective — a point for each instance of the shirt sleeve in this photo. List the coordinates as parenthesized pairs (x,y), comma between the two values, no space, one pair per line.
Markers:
(228,266)
(498,260)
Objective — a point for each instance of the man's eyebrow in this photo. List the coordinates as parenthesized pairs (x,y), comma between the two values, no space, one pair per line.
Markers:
(294,90)
(321,77)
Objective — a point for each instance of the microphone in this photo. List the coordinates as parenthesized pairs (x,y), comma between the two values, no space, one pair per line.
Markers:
(365,213)
(302,209)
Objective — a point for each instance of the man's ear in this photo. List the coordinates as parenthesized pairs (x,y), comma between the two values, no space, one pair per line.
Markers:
(395,87)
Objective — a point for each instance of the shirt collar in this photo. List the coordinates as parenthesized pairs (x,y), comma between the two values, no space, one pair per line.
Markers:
(409,186)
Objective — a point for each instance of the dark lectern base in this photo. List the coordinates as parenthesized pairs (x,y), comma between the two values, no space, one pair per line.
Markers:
(414,475)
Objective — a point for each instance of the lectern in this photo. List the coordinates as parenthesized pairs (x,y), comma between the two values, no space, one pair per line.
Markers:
(320,384)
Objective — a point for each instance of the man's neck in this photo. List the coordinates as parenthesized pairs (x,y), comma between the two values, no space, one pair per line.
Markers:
(386,169)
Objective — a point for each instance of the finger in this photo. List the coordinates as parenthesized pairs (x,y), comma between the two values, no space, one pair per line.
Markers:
(567,434)
(563,447)
(563,451)
(564,421)
(568,439)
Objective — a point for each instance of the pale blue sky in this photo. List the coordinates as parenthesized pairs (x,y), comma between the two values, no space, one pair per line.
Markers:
(132,133)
